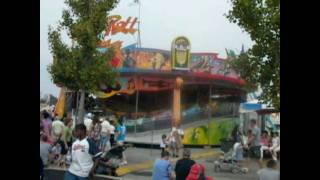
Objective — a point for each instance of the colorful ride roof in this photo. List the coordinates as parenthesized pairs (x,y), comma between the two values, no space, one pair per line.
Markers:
(147,61)
(147,69)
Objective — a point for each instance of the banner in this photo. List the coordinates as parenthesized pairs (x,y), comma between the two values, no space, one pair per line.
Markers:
(154,84)
(180,52)
(126,86)
(209,134)
(59,108)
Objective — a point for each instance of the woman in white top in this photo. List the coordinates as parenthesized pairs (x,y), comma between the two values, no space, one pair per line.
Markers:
(104,135)
(174,142)
(275,148)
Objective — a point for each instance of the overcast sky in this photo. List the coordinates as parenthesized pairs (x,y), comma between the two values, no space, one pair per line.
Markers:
(201,21)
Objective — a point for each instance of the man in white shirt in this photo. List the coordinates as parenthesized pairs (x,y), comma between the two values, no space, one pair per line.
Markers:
(85,156)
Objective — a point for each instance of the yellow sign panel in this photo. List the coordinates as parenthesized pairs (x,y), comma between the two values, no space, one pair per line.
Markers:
(180,52)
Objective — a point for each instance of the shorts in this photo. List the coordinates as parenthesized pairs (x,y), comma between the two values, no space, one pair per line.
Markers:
(103,141)
(101,170)
(254,152)
(173,145)
(70,176)
(112,141)
(69,144)
(120,142)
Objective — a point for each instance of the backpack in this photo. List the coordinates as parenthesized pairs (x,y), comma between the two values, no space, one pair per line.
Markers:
(197,173)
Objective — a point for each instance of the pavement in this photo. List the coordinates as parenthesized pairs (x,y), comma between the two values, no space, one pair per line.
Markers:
(140,163)
(140,169)
(144,159)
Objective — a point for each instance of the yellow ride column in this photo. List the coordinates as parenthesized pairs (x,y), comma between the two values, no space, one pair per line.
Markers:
(177,102)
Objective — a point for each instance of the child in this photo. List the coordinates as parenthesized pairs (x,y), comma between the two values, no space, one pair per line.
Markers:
(56,150)
(163,143)
(60,151)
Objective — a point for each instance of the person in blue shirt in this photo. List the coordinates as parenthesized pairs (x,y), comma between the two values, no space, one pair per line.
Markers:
(120,137)
(121,131)
(162,168)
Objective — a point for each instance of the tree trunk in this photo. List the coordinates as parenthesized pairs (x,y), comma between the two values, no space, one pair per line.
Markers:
(80,118)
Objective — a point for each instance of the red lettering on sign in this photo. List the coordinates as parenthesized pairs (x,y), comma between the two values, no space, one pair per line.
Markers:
(115,25)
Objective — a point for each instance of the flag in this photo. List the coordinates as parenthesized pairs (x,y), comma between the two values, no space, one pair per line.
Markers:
(135,2)
(59,108)
(242,49)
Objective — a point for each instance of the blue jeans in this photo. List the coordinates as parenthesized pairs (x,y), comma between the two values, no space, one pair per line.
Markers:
(103,141)
(70,176)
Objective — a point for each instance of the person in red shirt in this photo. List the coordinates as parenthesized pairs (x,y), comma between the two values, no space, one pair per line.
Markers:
(197,172)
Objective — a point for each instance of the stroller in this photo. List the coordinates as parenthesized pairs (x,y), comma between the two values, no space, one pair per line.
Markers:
(111,161)
(230,160)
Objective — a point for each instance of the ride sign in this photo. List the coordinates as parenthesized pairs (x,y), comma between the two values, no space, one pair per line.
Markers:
(115,25)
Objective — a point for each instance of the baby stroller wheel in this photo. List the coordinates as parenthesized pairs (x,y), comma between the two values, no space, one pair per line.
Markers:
(216,167)
(235,170)
(244,170)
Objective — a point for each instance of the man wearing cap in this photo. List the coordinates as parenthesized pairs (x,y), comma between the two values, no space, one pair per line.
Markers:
(183,165)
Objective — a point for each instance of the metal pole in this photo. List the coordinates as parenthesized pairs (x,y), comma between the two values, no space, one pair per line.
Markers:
(209,113)
(77,105)
(139,37)
(137,103)
(153,120)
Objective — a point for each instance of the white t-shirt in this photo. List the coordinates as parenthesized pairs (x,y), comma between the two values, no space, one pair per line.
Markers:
(171,137)
(105,125)
(87,122)
(275,141)
(57,127)
(111,129)
(180,132)
(82,153)
(162,144)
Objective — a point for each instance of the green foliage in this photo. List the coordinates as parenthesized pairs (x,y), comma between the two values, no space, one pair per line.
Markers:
(81,66)
(260,65)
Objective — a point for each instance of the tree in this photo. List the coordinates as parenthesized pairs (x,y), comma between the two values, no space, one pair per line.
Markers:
(81,67)
(260,65)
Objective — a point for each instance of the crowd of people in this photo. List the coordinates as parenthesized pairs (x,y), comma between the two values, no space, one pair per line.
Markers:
(255,142)
(84,148)
(173,141)
(185,168)
(80,147)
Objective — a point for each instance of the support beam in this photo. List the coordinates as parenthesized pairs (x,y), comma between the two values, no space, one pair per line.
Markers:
(177,102)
